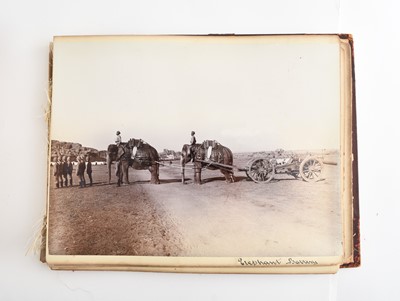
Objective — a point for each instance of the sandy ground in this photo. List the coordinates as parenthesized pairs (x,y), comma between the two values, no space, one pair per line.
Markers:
(286,217)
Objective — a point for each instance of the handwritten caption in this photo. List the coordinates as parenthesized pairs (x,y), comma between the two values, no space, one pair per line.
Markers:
(276,262)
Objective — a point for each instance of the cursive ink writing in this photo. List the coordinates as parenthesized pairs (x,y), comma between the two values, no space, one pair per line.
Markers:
(258,262)
(276,262)
(301,261)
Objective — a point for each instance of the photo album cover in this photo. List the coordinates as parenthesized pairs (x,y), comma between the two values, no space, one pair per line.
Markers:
(202,154)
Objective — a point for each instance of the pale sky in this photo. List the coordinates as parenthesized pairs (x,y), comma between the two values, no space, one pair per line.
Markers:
(248,93)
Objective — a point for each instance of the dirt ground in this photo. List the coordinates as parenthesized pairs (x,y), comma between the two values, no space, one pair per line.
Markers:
(286,217)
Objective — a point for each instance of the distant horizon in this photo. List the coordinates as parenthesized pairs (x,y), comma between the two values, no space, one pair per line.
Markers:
(235,152)
(244,92)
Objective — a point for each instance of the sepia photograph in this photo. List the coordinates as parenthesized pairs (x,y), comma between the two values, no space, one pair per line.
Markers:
(196,146)
(201,150)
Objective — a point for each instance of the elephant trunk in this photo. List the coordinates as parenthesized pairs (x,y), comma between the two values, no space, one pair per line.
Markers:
(109,168)
(183,169)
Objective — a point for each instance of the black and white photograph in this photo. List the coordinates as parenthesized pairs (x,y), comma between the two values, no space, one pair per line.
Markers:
(199,150)
(196,146)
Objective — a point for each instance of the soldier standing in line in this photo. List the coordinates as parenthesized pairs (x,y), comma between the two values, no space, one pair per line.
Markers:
(70,168)
(58,173)
(64,165)
(89,170)
(81,172)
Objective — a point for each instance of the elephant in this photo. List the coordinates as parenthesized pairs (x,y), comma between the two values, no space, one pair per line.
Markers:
(136,154)
(204,153)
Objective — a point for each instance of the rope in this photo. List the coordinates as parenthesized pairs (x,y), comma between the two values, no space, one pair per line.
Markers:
(192,166)
(174,165)
(209,164)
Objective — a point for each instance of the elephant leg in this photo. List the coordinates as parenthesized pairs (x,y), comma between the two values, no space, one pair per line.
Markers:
(183,163)
(183,174)
(154,171)
(119,172)
(157,167)
(119,179)
(117,167)
(197,173)
(124,172)
(109,168)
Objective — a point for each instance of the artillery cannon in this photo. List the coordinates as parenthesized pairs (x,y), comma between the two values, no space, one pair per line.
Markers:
(264,169)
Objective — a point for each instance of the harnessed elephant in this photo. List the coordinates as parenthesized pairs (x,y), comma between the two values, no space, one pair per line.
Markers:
(136,154)
(203,155)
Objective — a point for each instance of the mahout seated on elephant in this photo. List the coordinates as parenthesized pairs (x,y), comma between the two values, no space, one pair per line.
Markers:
(136,154)
(203,155)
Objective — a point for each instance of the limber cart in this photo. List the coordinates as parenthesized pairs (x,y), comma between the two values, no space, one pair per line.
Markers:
(264,169)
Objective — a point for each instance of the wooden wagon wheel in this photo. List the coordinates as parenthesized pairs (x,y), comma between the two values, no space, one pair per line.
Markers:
(260,170)
(311,169)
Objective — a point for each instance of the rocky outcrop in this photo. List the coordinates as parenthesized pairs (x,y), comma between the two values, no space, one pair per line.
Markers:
(72,150)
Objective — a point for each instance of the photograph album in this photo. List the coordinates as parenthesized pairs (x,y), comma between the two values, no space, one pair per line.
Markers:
(202,154)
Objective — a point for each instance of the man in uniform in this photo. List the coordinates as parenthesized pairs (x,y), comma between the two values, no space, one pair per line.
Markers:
(58,173)
(192,144)
(70,168)
(118,138)
(118,141)
(64,165)
(81,172)
(89,170)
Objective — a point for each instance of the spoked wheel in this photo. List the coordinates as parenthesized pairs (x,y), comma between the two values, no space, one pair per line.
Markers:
(311,169)
(260,171)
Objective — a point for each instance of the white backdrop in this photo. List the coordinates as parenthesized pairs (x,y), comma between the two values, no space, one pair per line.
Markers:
(26,28)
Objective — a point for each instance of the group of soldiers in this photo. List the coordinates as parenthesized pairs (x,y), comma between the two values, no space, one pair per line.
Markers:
(63,170)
